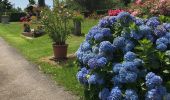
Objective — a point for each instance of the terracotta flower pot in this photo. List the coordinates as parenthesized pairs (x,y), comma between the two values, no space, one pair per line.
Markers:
(60,51)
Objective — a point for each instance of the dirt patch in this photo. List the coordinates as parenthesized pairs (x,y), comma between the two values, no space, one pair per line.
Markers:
(59,63)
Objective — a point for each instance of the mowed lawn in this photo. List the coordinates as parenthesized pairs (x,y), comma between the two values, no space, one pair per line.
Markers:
(36,49)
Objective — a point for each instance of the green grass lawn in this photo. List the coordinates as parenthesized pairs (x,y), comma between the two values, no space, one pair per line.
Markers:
(41,47)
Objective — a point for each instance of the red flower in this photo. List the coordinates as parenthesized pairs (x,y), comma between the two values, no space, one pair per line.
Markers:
(114,12)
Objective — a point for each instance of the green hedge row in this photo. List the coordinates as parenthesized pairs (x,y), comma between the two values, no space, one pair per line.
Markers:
(15,17)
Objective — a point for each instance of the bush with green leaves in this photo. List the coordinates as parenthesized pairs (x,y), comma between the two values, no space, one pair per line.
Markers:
(56,23)
(126,58)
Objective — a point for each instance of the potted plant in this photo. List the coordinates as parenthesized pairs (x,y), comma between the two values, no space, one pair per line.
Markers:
(77,19)
(56,24)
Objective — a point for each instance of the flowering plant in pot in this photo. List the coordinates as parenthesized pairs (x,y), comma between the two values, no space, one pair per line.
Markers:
(77,19)
(126,58)
(56,24)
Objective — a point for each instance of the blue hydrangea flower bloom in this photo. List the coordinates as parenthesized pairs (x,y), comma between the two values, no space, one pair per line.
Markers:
(167,26)
(129,56)
(153,22)
(85,46)
(98,37)
(124,18)
(101,62)
(92,63)
(92,33)
(95,79)
(161,47)
(128,47)
(119,42)
(160,31)
(79,55)
(131,95)
(81,75)
(136,35)
(153,80)
(106,48)
(92,79)
(84,70)
(106,32)
(87,56)
(104,22)
(167,35)
(139,21)
(129,66)
(127,76)
(131,77)
(103,95)
(112,20)
(117,67)
(115,94)
(161,90)
(117,79)
(149,76)
(162,40)
(153,95)
(144,29)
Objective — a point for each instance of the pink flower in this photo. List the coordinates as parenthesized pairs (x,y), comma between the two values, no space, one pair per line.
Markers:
(162,1)
(138,2)
(135,13)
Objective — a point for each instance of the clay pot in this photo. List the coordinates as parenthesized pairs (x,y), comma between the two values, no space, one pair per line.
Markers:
(60,51)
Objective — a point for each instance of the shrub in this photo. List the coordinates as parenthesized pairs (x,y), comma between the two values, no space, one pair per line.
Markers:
(125,58)
(15,17)
(151,7)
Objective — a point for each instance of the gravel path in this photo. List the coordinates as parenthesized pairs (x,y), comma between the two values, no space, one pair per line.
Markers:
(21,80)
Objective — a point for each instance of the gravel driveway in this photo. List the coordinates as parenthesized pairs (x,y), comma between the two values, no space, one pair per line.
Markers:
(21,80)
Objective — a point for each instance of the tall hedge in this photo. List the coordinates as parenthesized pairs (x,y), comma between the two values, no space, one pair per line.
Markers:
(15,17)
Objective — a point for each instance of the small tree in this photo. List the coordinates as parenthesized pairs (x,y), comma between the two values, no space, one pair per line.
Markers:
(32,2)
(41,3)
(5,5)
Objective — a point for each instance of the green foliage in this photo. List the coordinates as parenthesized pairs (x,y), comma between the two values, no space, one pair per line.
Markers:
(5,5)
(163,18)
(78,17)
(41,3)
(15,17)
(73,5)
(31,2)
(155,60)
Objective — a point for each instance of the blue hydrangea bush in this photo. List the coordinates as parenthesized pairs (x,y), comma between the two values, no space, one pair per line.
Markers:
(125,58)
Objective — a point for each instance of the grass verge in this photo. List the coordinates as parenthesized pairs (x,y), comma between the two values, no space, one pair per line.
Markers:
(35,49)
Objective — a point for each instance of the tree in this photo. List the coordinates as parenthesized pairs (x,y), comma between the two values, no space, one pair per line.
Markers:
(41,3)
(5,5)
(32,2)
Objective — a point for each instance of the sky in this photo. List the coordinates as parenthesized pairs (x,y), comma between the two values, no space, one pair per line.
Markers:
(23,3)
